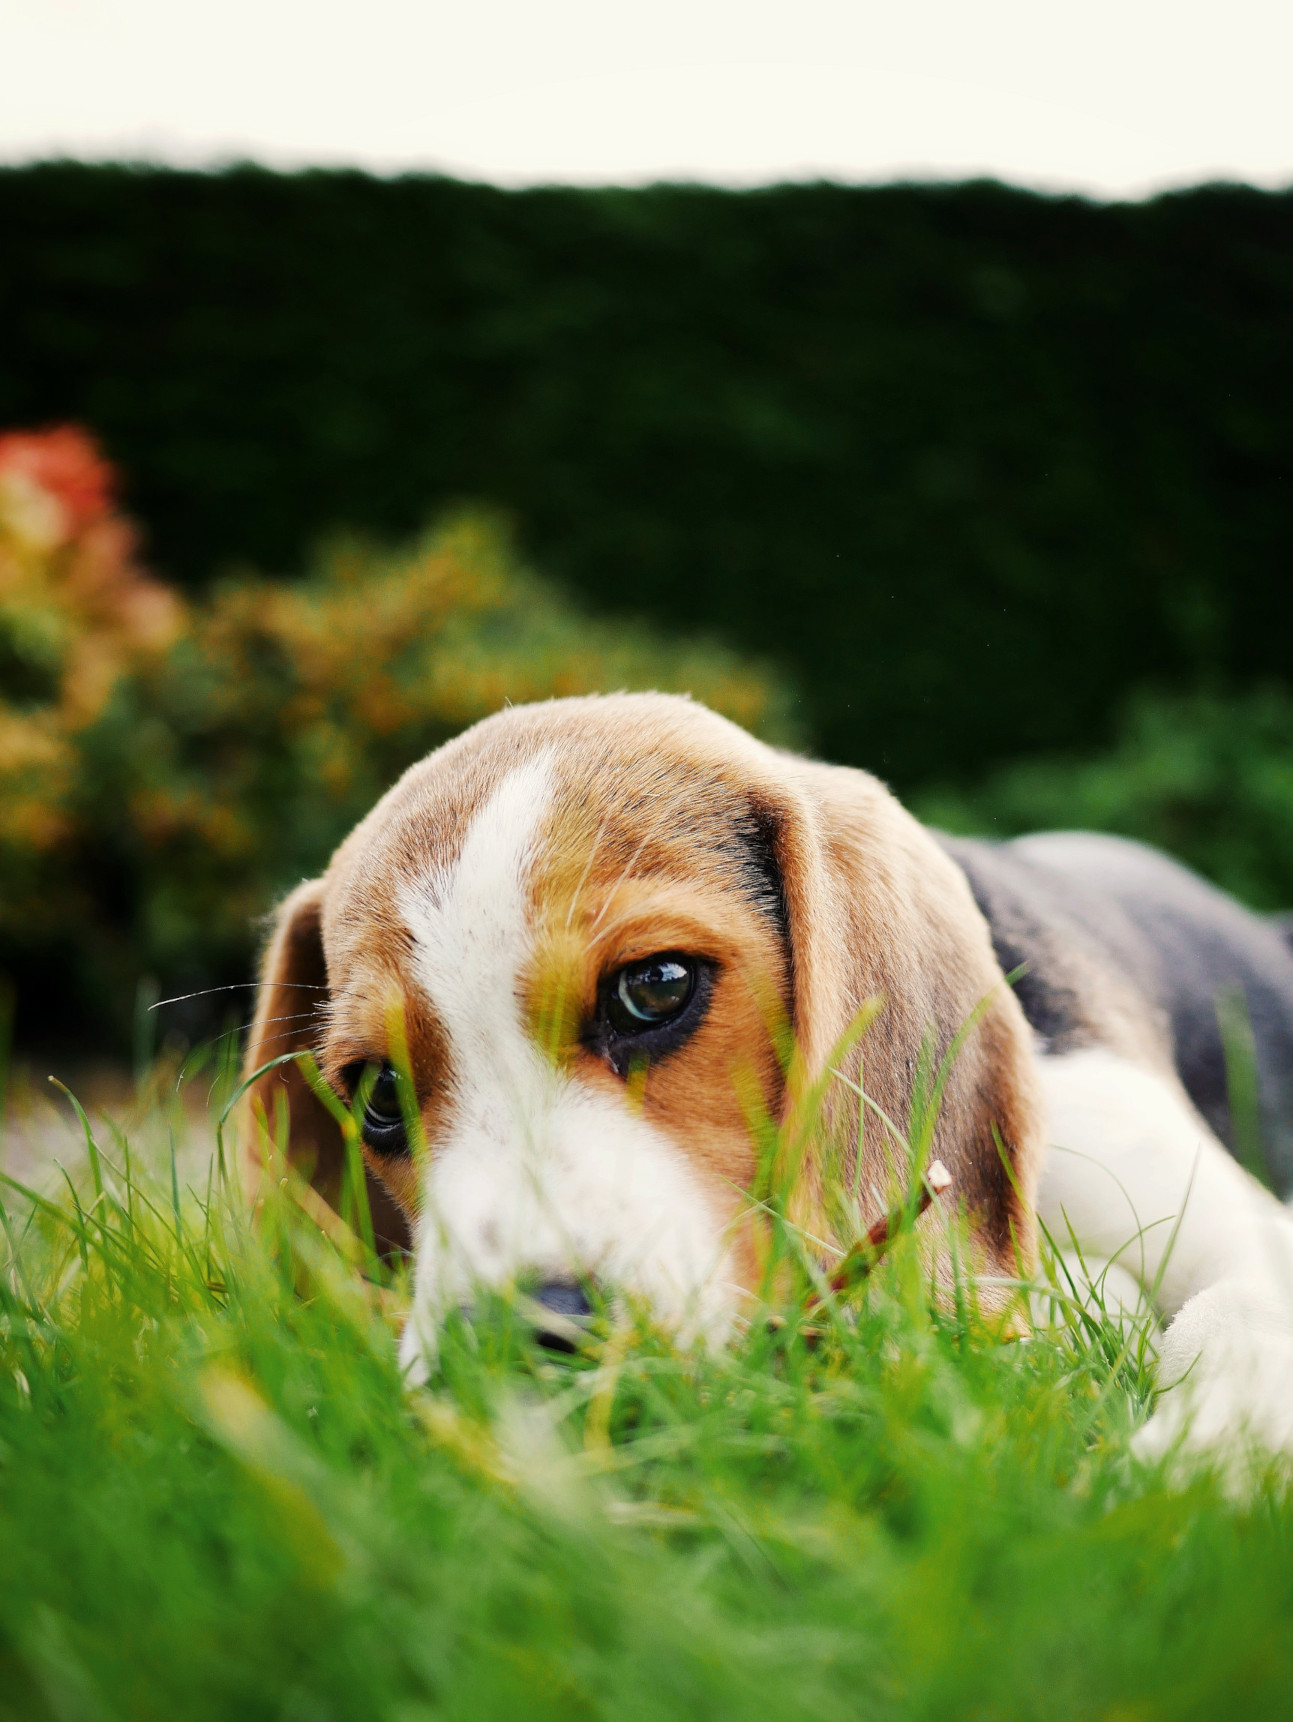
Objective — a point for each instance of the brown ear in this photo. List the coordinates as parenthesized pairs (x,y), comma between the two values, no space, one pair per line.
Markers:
(291,1009)
(876,910)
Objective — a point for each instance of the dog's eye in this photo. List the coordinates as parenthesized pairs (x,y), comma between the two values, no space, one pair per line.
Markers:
(384,1115)
(644,995)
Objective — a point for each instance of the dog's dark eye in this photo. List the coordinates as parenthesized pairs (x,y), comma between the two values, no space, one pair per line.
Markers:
(383,1114)
(646,994)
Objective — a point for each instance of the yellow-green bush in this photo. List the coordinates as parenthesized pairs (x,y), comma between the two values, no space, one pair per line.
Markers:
(167,769)
(1206,776)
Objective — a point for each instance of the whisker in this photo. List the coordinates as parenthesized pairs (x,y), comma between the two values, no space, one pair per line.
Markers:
(583,878)
(285,1034)
(300,1016)
(242,1028)
(314,1051)
(625,875)
(238,987)
(238,1028)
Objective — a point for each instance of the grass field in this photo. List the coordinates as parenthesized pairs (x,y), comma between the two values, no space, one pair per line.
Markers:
(218,1500)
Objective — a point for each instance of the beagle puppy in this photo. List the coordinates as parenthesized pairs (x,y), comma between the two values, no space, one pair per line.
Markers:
(588,921)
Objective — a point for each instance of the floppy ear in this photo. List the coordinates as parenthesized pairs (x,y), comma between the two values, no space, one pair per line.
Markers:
(876,910)
(291,1008)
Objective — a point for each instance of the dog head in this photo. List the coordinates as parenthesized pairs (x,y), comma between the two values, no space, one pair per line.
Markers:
(587,921)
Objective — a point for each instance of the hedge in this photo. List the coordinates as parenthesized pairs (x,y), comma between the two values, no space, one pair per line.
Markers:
(973,463)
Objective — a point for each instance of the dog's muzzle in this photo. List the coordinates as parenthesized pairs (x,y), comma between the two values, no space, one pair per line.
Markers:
(569,1303)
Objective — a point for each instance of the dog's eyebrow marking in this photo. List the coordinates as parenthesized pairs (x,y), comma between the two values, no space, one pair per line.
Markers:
(471,926)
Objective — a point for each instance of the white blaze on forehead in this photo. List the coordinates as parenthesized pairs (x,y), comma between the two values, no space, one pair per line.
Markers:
(539,1173)
(470,925)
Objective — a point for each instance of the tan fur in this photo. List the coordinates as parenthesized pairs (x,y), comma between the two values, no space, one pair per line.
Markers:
(639,857)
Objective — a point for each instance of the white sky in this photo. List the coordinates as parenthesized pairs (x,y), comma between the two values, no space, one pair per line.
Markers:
(1112,97)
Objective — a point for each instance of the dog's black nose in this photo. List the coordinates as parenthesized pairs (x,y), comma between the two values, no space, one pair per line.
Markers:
(564,1299)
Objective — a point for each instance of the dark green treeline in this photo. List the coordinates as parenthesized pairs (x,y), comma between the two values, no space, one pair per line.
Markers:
(971,462)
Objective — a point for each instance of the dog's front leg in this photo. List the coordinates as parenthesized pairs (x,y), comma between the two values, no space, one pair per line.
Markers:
(1138,1179)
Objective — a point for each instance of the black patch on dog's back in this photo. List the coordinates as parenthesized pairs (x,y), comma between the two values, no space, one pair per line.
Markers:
(1100,919)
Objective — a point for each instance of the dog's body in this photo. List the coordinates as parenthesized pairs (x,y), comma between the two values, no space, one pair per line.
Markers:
(589,917)
(1117,946)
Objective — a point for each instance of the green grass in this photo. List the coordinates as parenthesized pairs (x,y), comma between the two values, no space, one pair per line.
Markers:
(217,1499)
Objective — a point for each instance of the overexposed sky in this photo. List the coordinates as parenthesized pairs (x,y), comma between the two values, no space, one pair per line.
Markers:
(1111,97)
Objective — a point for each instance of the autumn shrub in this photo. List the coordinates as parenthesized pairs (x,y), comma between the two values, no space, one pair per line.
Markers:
(167,769)
(76,616)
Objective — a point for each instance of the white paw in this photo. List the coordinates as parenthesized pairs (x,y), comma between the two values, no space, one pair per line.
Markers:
(1225,1374)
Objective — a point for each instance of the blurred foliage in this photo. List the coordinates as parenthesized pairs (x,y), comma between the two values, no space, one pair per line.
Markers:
(76,615)
(167,769)
(1207,777)
(220,1500)
(972,462)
